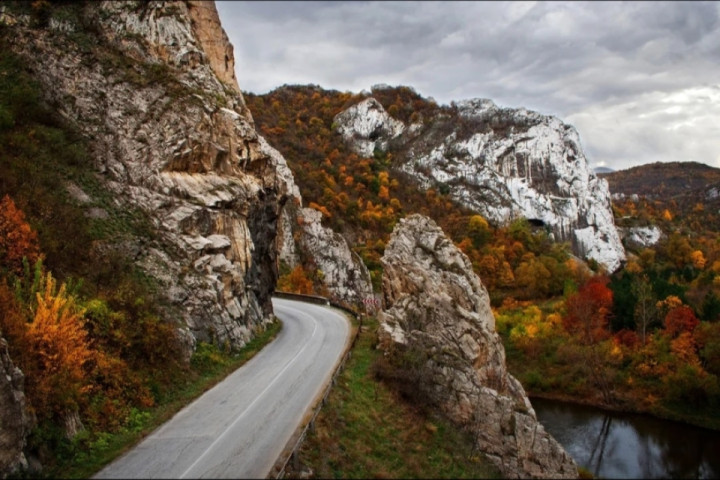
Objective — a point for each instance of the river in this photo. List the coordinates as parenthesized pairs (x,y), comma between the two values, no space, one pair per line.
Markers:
(619,445)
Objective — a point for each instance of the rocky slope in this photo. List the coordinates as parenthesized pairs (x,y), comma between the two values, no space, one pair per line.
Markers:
(15,424)
(152,86)
(437,324)
(344,276)
(503,163)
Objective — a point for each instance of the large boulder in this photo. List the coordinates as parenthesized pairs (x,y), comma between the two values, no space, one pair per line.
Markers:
(437,326)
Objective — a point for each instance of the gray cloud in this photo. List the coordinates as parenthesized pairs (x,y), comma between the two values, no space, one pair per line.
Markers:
(598,65)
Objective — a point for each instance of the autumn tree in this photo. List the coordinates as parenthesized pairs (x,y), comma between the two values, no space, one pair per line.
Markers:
(680,320)
(533,276)
(478,230)
(296,281)
(56,352)
(17,239)
(588,310)
(645,310)
(587,314)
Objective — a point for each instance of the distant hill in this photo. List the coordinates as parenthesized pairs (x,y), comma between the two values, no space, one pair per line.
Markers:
(601,170)
(662,180)
(690,191)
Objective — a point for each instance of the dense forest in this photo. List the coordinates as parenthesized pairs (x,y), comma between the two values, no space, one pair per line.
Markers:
(645,338)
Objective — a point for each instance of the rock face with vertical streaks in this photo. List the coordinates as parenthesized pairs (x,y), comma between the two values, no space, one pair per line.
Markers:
(500,162)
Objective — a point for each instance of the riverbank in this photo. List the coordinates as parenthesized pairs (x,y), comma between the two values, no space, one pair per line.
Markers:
(660,412)
(670,375)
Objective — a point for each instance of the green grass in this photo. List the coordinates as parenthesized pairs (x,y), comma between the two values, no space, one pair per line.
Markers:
(366,430)
(89,453)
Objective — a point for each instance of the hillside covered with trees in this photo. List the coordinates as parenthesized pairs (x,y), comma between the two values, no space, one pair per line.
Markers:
(646,338)
(364,197)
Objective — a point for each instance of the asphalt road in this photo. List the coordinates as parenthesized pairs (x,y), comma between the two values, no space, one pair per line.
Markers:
(239,428)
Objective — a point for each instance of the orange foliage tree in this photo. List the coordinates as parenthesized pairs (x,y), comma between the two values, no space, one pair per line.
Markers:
(680,320)
(296,282)
(587,316)
(17,239)
(589,309)
(56,352)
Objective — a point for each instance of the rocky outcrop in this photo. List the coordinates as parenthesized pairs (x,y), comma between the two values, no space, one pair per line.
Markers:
(151,86)
(503,163)
(640,237)
(302,239)
(437,323)
(15,424)
(213,41)
(367,126)
(344,275)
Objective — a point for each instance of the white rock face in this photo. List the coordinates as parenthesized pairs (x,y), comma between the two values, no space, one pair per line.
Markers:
(504,164)
(343,273)
(641,236)
(437,327)
(367,126)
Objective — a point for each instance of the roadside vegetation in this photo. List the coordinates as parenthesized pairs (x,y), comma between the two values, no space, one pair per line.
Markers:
(367,430)
(90,451)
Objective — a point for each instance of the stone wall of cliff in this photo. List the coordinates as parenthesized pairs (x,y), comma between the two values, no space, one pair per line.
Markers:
(15,423)
(152,87)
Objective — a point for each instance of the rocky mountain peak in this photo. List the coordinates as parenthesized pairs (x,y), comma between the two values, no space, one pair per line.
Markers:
(503,163)
(437,326)
(213,41)
(368,126)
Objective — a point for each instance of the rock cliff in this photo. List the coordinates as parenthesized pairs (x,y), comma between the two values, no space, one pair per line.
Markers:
(503,163)
(152,87)
(345,276)
(15,424)
(437,324)
(304,240)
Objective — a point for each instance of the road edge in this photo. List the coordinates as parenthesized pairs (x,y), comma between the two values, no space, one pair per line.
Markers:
(293,444)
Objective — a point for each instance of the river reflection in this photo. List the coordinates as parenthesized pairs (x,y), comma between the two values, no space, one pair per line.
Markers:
(613,445)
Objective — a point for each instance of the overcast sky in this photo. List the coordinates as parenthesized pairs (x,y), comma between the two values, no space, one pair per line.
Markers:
(639,80)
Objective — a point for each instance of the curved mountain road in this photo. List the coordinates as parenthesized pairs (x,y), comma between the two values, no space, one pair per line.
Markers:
(239,428)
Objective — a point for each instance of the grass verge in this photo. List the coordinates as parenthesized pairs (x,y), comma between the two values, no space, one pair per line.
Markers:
(209,366)
(366,430)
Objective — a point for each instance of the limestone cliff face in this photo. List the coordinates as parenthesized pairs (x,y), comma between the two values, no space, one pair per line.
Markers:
(437,317)
(503,163)
(15,424)
(303,239)
(206,26)
(151,85)
(344,275)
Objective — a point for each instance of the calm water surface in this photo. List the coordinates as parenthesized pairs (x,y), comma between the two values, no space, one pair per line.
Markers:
(614,445)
